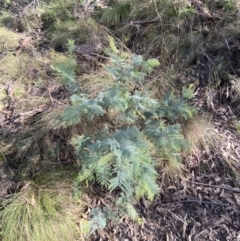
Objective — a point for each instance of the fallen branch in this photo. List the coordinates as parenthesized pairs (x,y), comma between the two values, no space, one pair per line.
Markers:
(195,201)
(215,186)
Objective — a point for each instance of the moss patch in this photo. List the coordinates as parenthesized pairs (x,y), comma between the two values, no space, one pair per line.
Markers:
(3,95)
(8,39)
(11,67)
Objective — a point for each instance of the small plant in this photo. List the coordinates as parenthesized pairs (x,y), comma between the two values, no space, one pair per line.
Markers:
(71,45)
(122,155)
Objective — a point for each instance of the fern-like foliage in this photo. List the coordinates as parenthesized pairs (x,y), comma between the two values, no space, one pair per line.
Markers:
(168,140)
(98,220)
(119,161)
(125,69)
(80,106)
(123,160)
(173,107)
(67,74)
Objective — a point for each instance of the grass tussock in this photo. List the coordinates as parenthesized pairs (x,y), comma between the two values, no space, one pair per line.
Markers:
(199,134)
(204,137)
(171,169)
(96,81)
(35,214)
(3,96)
(85,32)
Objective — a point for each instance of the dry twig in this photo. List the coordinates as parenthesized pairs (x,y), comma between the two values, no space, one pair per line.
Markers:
(215,186)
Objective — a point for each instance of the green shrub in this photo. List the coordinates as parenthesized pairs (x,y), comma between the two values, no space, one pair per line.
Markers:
(121,156)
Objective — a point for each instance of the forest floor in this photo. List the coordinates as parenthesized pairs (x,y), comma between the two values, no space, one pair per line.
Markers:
(201,204)
(204,204)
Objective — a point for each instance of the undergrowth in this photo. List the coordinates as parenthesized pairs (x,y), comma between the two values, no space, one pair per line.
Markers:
(122,155)
(128,122)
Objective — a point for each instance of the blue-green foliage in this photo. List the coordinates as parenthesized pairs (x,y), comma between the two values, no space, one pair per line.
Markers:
(98,219)
(81,106)
(125,70)
(173,107)
(123,159)
(166,138)
(67,75)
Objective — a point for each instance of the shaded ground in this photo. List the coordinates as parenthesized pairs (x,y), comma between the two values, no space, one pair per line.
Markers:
(5,180)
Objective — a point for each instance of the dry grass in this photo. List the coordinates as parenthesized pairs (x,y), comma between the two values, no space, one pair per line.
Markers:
(96,81)
(235,89)
(199,133)
(216,142)
(171,169)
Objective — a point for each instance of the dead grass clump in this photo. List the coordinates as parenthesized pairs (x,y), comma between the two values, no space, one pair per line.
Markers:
(23,68)
(199,133)
(96,82)
(207,138)
(3,96)
(52,56)
(171,169)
